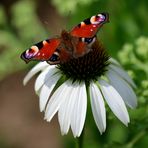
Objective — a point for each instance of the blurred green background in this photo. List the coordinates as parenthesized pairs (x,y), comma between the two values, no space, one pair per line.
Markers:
(25,22)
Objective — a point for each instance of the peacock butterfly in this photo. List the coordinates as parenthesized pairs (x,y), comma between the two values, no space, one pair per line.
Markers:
(68,45)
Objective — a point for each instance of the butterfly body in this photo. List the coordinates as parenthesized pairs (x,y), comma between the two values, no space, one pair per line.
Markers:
(68,45)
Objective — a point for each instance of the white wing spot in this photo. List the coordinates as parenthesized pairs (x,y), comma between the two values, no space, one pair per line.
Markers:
(92,19)
(56,53)
(35,48)
(82,24)
(44,42)
(83,39)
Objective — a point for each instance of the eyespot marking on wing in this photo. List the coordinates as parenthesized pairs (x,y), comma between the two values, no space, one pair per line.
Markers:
(89,27)
(89,40)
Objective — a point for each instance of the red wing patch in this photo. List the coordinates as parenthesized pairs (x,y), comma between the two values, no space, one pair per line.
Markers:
(41,51)
(89,27)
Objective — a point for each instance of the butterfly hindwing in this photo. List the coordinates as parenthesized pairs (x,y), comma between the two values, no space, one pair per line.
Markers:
(42,51)
(89,27)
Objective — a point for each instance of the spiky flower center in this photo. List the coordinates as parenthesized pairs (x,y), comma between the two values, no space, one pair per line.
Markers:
(89,67)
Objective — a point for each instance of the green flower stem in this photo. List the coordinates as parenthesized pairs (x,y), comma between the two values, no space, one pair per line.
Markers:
(80,140)
(135,139)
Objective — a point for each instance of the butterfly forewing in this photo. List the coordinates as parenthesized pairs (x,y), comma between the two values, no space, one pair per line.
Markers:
(89,27)
(41,51)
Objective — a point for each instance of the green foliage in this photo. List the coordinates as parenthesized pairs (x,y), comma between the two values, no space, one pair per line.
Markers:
(135,58)
(70,5)
(128,21)
(24,27)
(16,35)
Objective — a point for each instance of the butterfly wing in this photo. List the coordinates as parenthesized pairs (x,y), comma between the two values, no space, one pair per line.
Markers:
(86,33)
(43,51)
(72,44)
(89,27)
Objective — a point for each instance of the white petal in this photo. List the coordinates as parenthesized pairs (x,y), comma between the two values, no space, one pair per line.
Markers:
(115,101)
(123,88)
(35,70)
(46,90)
(98,108)
(56,100)
(66,108)
(44,76)
(79,111)
(122,74)
(113,61)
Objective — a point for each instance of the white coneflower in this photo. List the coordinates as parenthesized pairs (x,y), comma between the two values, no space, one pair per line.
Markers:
(63,89)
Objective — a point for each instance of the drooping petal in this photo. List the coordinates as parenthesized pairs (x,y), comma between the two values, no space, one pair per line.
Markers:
(66,108)
(98,108)
(56,100)
(44,76)
(113,61)
(122,74)
(114,101)
(34,70)
(123,88)
(79,112)
(46,90)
